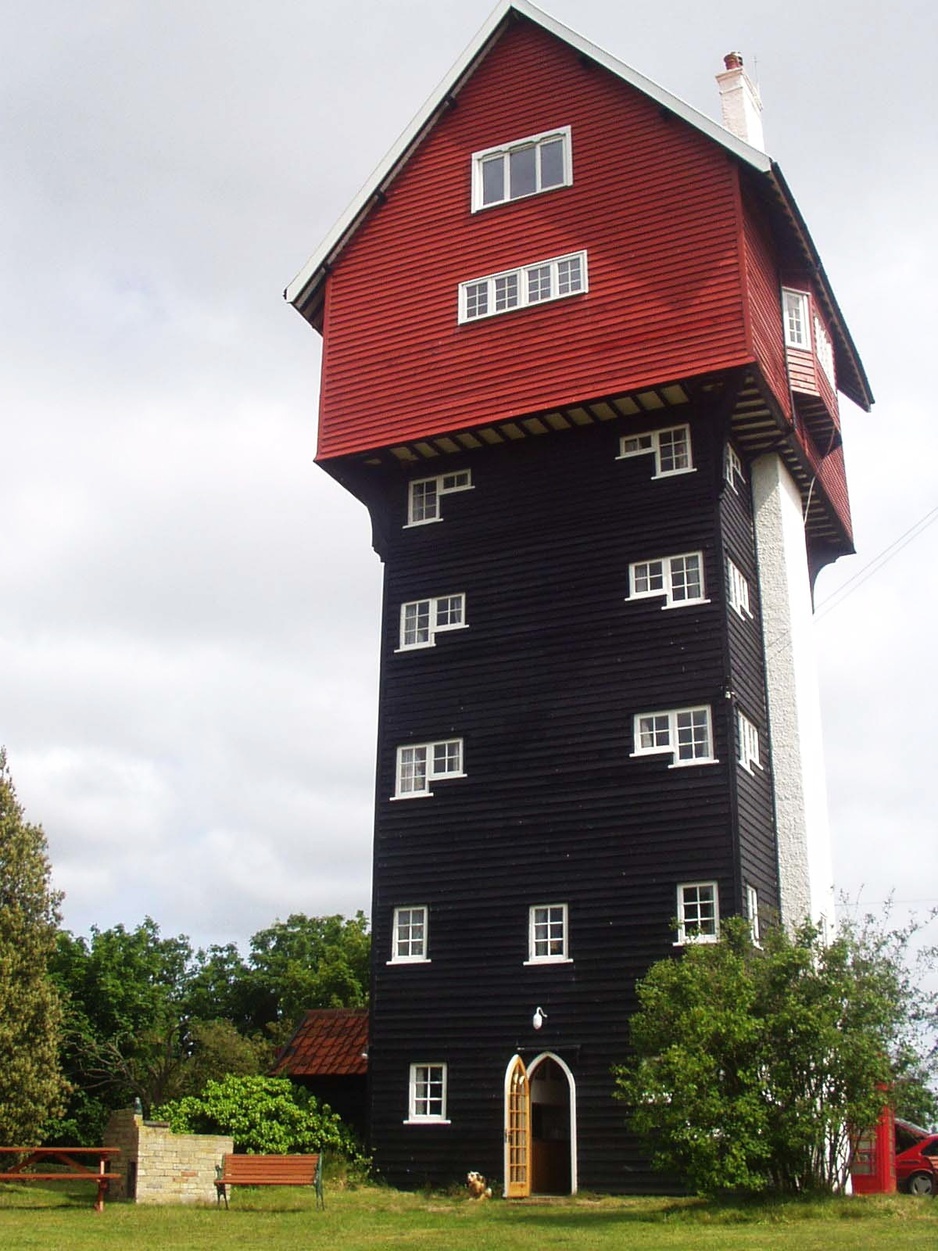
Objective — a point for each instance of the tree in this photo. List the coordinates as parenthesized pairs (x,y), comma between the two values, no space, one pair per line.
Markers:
(754,1068)
(309,962)
(32,1088)
(267,1115)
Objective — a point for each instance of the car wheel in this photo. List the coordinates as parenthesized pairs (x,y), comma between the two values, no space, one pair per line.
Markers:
(921,1184)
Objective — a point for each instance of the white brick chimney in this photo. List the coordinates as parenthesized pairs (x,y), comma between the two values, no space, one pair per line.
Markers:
(740,103)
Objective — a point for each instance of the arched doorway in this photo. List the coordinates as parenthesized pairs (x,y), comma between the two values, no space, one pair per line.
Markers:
(540,1127)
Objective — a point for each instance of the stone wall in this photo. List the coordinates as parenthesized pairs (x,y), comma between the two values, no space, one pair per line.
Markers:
(158,1166)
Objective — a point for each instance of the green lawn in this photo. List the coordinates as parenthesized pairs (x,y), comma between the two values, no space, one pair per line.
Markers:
(62,1219)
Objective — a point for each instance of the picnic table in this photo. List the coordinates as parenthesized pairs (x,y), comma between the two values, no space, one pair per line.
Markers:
(74,1164)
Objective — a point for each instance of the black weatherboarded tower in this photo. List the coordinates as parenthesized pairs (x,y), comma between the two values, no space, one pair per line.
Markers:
(581,364)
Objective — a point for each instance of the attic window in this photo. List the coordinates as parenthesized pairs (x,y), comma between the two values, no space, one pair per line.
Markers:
(795,316)
(520,169)
(520,288)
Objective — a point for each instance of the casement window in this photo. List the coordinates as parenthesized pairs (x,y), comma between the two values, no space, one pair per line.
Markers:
(698,913)
(671,449)
(678,579)
(547,933)
(748,742)
(824,350)
(422,763)
(752,913)
(409,944)
(427,1097)
(526,167)
(523,287)
(795,319)
(737,589)
(424,494)
(733,468)
(683,733)
(423,619)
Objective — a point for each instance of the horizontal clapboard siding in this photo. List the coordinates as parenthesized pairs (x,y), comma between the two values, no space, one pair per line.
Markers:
(764,300)
(542,686)
(758,858)
(652,202)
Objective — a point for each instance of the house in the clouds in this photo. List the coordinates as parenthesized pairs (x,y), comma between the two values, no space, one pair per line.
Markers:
(581,364)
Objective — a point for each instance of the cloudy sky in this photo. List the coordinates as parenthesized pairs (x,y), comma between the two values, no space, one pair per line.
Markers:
(188,606)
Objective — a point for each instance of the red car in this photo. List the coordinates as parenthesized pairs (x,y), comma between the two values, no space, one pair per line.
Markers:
(916,1165)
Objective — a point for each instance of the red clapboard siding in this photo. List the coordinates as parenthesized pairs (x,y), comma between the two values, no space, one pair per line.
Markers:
(652,201)
(764,289)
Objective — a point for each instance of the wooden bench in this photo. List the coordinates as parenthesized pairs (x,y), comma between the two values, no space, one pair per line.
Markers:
(72,1164)
(268,1170)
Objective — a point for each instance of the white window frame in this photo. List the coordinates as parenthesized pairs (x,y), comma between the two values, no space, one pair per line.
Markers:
(752,914)
(737,588)
(667,731)
(824,351)
(748,736)
(434,607)
(686,906)
(524,292)
(796,318)
(556,914)
(405,777)
(650,441)
(665,571)
(504,151)
(733,470)
(415,949)
(445,484)
(424,1077)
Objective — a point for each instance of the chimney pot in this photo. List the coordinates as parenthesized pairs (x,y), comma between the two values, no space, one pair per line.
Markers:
(733,60)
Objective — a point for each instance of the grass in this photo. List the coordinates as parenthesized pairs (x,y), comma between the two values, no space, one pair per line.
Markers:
(61,1218)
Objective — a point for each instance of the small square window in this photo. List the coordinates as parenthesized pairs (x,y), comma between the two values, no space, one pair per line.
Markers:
(419,764)
(795,318)
(547,933)
(671,448)
(698,913)
(748,743)
(738,589)
(410,936)
(733,468)
(423,495)
(427,1100)
(684,733)
(423,619)
(678,578)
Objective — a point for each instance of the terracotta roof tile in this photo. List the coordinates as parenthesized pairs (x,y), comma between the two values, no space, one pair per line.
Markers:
(328,1042)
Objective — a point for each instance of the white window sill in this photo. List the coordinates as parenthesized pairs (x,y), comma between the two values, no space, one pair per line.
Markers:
(683,603)
(673,473)
(549,960)
(444,777)
(409,960)
(742,613)
(689,764)
(427,521)
(748,766)
(697,941)
(427,1120)
(415,647)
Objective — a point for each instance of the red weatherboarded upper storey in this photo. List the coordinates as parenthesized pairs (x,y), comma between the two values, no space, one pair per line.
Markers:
(657,205)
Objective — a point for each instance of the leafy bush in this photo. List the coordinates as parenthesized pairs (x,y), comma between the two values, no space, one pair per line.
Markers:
(264,1116)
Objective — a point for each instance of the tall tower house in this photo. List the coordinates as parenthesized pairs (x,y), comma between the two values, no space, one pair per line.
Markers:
(581,363)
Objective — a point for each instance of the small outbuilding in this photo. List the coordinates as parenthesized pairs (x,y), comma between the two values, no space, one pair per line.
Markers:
(328,1055)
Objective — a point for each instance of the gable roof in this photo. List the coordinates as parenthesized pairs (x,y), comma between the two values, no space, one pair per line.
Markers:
(328,1042)
(306,291)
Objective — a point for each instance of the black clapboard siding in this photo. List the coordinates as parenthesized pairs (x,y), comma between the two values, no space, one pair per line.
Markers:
(542,686)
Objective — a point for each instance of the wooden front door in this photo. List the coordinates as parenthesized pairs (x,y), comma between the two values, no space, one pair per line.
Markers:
(518,1132)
